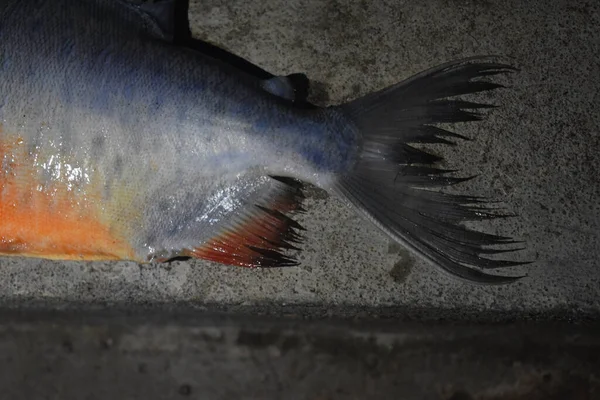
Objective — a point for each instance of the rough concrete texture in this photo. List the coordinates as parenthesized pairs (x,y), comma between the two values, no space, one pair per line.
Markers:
(540,152)
(125,358)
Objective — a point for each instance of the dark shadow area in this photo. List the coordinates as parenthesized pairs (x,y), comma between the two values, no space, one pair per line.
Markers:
(73,355)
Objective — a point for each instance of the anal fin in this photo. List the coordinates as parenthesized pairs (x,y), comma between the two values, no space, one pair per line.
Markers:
(261,235)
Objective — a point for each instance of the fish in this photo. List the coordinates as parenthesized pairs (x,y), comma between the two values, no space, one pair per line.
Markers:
(124,138)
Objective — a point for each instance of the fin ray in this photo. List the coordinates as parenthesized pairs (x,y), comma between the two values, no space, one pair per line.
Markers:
(261,234)
(391,183)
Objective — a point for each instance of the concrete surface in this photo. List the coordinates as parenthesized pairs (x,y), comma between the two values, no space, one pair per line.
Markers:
(70,357)
(540,152)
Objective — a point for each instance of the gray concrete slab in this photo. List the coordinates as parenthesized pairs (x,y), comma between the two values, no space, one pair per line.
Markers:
(69,356)
(540,152)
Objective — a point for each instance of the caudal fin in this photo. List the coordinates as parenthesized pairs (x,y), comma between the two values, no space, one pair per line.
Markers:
(393,182)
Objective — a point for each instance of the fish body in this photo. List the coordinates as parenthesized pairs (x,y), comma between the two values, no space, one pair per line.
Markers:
(148,137)
(115,143)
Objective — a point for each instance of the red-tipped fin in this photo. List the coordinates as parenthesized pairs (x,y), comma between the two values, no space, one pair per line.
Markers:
(261,236)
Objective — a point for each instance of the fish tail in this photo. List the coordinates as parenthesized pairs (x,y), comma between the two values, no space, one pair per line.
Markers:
(393,183)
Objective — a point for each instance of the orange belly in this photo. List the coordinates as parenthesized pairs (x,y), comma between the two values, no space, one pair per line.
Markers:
(51,220)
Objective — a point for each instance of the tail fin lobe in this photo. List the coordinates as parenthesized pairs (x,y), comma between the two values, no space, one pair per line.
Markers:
(392,183)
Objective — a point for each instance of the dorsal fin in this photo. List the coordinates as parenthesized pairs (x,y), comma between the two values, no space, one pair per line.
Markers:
(261,235)
(158,17)
(168,20)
